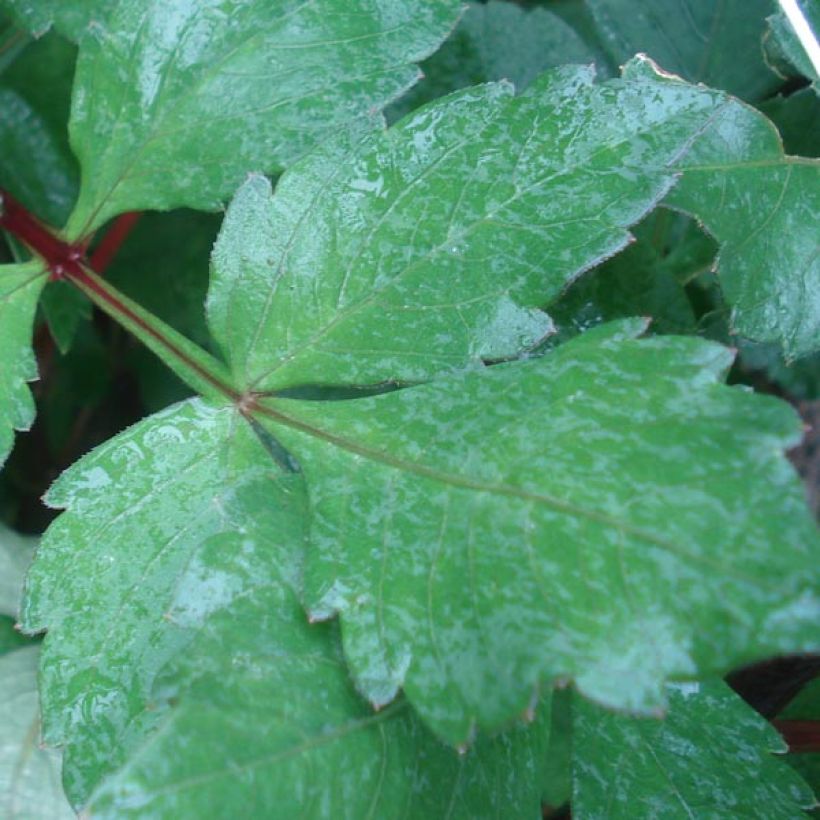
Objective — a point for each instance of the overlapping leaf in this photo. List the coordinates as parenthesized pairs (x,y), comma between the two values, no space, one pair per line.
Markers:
(647,279)
(762,208)
(711,757)
(797,117)
(431,246)
(175,102)
(714,43)
(15,555)
(20,285)
(497,41)
(608,513)
(185,531)
(69,17)
(29,775)
(117,554)
(784,49)
(806,707)
(36,163)
(269,698)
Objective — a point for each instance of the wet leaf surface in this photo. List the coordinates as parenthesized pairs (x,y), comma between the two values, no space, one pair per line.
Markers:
(175,102)
(712,756)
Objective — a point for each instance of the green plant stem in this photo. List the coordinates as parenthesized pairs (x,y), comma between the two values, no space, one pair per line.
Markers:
(196,367)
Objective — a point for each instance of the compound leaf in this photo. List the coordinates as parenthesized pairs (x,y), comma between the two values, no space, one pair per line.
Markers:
(174,102)
(400,254)
(29,775)
(610,513)
(20,286)
(711,756)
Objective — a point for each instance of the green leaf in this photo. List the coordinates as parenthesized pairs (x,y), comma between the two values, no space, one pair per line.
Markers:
(20,286)
(609,513)
(784,50)
(119,551)
(10,638)
(36,163)
(29,775)
(710,757)
(760,206)
(270,696)
(13,41)
(557,776)
(703,41)
(806,706)
(64,308)
(180,549)
(800,378)
(647,279)
(797,118)
(175,102)
(496,41)
(431,246)
(15,555)
(69,17)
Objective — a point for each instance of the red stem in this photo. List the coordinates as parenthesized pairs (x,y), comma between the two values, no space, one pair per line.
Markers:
(112,241)
(80,277)
(68,262)
(61,258)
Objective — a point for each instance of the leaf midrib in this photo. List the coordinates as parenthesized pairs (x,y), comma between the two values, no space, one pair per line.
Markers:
(462,482)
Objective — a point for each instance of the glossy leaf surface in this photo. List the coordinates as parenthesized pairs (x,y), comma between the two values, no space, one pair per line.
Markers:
(69,17)
(178,556)
(175,102)
(609,513)
(20,285)
(712,756)
(716,43)
(267,698)
(762,207)
(119,550)
(432,246)
(29,775)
